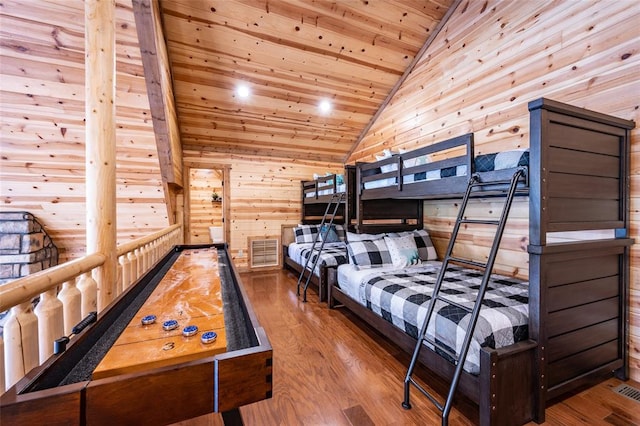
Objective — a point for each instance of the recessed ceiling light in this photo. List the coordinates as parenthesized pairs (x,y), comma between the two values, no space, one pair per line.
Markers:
(325,105)
(243,91)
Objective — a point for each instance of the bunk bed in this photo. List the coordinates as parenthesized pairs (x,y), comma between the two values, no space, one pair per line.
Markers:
(317,193)
(297,240)
(577,299)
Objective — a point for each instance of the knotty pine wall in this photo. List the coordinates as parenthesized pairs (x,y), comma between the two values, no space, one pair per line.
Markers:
(489,61)
(264,194)
(203,211)
(42,123)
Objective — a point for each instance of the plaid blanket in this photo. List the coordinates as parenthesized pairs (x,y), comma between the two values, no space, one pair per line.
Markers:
(333,254)
(402,298)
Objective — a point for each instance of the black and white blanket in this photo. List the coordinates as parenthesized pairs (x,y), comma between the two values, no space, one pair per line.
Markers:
(333,254)
(402,298)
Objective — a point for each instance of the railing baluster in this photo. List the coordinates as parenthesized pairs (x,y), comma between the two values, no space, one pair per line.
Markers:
(89,289)
(120,282)
(134,265)
(50,323)
(21,342)
(139,261)
(145,258)
(126,271)
(71,299)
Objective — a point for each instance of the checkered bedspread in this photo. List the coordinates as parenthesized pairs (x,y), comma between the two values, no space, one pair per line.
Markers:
(333,254)
(403,298)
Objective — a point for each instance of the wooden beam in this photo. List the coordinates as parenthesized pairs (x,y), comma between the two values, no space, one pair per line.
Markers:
(100,144)
(157,73)
(404,76)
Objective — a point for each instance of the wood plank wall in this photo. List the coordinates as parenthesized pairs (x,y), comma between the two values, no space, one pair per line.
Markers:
(489,61)
(42,128)
(264,193)
(204,212)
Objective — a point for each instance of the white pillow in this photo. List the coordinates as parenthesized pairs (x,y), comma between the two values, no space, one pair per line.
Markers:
(403,251)
(351,236)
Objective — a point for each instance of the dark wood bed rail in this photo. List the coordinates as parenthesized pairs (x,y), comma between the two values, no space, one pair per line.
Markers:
(442,188)
(313,208)
(322,183)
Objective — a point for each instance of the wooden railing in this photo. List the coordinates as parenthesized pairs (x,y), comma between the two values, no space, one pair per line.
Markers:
(67,294)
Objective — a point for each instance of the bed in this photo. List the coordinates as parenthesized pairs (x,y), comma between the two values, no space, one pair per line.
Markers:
(316,196)
(297,247)
(437,171)
(317,193)
(578,190)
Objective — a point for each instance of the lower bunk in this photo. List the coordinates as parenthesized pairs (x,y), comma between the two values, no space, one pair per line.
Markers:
(498,374)
(298,248)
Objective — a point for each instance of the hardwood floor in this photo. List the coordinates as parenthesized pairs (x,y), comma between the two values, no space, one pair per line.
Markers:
(332,369)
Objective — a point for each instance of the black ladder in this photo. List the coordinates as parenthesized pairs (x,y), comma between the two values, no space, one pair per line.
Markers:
(335,201)
(459,360)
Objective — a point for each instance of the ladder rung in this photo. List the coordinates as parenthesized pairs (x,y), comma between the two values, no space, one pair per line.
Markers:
(436,345)
(481,221)
(427,394)
(491,182)
(456,304)
(469,262)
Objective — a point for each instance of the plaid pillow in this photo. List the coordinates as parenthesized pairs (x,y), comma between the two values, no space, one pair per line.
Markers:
(426,251)
(305,233)
(368,254)
(341,232)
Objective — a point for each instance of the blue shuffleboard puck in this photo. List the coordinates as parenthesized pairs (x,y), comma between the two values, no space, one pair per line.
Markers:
(189,330)
(208,337)
(149,319)
(170,325)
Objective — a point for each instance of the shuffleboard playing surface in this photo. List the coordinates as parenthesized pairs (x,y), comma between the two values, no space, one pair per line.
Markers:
(190,292)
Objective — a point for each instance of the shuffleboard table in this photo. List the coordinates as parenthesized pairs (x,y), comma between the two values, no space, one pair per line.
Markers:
(123,370)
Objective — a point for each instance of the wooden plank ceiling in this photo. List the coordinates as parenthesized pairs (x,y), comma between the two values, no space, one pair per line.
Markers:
(291,55)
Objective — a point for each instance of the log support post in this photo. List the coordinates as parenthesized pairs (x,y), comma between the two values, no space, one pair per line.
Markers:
(100,66)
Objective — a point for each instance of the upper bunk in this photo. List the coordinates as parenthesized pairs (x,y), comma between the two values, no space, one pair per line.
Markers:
(576,175)
(318,193)
(438,171)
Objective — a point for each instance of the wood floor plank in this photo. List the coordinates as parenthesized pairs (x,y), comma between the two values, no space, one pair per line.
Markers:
(357,416)
(332,369)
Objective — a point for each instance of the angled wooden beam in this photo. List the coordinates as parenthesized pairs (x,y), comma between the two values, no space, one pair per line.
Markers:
(157,74)
(404,76)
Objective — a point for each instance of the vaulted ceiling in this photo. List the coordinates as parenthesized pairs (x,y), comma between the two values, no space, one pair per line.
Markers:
(290,56)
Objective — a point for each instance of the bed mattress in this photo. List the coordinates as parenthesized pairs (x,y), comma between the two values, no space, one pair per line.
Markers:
(401,296)
(483,163)
(339,188)
(333,254)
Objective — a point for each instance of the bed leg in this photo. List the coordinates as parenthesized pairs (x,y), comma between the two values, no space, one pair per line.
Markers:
(322,285)
(331,279)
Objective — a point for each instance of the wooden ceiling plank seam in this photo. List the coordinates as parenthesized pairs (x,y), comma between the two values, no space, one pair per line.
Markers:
(404,76)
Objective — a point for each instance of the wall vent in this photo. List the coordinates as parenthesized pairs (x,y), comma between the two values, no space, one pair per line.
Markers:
(264,253)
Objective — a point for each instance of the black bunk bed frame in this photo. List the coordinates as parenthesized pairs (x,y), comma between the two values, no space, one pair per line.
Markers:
(313,209)
(579,290)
